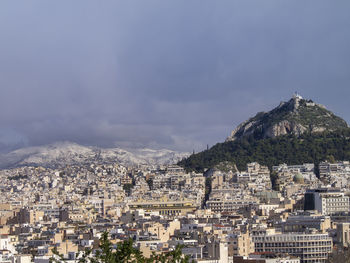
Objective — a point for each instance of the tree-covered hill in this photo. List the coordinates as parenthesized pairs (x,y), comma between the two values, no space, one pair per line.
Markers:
(295,117)
(289,149)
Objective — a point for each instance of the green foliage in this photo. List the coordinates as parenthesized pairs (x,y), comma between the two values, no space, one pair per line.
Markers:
(317,116)
(312,117)
(18,177)
(330,158)
(207,189)
(274,178)
(308,148)
(150,183)
(57,257)
(226,166)
(127,188)
(124,252)
(174,256)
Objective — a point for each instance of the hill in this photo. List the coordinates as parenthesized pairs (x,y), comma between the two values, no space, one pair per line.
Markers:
(295,132)
(307,148)
(295,117)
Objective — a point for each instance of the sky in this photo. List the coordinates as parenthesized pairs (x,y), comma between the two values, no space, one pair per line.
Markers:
(163,74)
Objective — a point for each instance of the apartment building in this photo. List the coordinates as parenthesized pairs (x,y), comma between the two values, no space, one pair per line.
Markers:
(326,201)
(300,223)
(165,207)
(228,204)
(343,234)
(310,248)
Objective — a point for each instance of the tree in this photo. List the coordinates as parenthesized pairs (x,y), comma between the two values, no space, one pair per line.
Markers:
(127,188)
(330,158)
(124,252)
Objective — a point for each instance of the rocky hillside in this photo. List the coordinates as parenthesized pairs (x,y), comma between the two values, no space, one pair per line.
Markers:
(295,117)
(67,153)
(295,132)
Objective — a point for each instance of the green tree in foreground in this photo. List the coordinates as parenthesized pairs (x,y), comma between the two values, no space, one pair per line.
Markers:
(124,252)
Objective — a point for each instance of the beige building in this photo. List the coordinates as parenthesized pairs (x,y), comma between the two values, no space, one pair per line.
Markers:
(66,247)
(343,234)
(164,232)
(217,180)
(165,207)
(240,244)
(219,204)
(6,215)
(25,215)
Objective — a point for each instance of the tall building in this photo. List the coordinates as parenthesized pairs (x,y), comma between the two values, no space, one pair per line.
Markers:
(326,201)
(343,234)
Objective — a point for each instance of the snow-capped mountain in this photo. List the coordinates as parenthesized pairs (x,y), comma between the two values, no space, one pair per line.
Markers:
(67,153)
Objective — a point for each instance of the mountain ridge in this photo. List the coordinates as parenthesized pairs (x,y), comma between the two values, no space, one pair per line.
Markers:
(67,153)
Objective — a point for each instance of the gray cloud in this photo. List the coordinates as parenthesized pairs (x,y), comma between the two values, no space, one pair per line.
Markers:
(176,74)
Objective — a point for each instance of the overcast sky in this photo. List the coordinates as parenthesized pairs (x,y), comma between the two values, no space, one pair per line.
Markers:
(163,74)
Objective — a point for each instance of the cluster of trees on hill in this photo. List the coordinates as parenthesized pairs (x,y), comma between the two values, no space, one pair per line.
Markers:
(123,252)
(289,149)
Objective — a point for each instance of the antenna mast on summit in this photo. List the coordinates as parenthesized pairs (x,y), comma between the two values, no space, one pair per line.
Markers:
(297,95)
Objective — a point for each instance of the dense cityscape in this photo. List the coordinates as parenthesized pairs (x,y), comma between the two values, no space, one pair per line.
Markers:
(184,131)
(218,216)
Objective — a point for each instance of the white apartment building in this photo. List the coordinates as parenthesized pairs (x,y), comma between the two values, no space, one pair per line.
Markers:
(328,169)
(327,201)
(310,248)
(229,204)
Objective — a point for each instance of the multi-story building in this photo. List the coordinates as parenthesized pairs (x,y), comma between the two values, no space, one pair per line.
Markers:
(310,248)
(343,234)
(240,244)
(300,223)
(305,168)
(175,169)
(229,204)
(125,179)
(165,207)
(326,201)
(329,169)
(266,258)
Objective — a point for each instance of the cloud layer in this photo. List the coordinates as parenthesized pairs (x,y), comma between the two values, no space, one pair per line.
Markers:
(174,74)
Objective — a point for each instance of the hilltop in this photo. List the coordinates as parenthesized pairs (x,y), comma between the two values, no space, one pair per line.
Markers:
(295,117)
(296,131)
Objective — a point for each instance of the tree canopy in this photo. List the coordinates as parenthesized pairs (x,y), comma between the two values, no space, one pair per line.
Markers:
(289,149)
(123,252)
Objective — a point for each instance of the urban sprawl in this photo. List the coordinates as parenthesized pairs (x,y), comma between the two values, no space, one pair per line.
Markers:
(286,215)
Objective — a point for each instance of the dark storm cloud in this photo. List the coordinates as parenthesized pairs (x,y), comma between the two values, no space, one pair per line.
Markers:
(176,74)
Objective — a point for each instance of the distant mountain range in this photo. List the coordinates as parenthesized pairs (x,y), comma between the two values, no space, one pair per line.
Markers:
(68,153)
(295,132)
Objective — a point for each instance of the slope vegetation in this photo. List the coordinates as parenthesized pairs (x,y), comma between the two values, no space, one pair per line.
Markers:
(289,149)
(297,116)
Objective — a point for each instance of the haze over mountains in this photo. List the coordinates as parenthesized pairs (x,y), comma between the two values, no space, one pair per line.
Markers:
(68,153)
